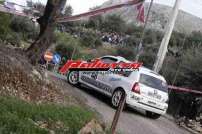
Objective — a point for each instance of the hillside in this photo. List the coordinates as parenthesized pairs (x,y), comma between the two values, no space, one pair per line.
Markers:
(35,102)
(159,17)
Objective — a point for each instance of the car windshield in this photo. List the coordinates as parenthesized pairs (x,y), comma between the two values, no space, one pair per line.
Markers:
(153,82)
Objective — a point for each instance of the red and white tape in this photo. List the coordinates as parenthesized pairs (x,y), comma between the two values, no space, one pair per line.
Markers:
(99,11)
(184,89)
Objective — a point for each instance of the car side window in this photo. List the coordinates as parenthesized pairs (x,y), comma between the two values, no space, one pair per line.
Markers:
(108,60)
(123,72)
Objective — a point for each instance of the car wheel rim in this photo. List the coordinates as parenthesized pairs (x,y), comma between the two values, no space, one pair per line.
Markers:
(73,77)
(116,98)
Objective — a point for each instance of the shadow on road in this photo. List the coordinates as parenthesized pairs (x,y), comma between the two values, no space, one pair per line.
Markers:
(105,99)
(95,94)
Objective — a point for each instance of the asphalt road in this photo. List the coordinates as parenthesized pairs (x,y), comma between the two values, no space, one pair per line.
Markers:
(131,121)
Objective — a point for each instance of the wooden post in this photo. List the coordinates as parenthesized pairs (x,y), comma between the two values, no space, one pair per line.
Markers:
(118,113)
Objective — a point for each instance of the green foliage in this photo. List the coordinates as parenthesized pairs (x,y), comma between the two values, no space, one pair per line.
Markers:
(132,29)
(128,52)
(182,67)
(88,56)
(185,63)
(148,57)
(15,29)
(67,46)
(113,23)
(176,39)
(5,21)
(14,39)
(195,39)
(2,1)
(24,26)
(95,22)
(20,117)
(132,41)
(191,70)
(90,39)
(68,11)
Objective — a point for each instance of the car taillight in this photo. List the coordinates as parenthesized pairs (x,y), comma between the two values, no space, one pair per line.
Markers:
(136,88)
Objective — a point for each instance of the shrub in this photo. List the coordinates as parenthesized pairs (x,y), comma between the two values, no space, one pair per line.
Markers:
(67,46)
(95,22)
(90,39)
(24,26)
(132,29)
(14,39)
(86,56)
(126,52)
(132,41)
(114,23)
(5,21)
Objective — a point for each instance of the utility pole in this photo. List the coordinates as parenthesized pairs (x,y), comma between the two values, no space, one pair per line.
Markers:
(164,44)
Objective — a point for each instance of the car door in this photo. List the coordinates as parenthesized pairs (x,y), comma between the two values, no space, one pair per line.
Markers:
(117,78)
(93,79)
(105,76)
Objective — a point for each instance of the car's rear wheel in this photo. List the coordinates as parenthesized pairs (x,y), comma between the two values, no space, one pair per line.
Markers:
(116,97)
(73,77)
(152,115)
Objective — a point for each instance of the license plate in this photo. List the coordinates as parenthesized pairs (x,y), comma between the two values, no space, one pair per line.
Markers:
(154,95)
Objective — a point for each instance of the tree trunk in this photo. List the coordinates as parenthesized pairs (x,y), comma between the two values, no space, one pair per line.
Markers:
(47,25)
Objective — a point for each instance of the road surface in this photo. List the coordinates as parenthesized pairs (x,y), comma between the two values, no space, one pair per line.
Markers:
(131,122)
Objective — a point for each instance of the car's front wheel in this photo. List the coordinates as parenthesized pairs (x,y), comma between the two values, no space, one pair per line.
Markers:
(73,77)
(152,115)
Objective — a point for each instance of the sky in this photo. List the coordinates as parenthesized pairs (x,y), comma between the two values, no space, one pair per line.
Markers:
(79,6)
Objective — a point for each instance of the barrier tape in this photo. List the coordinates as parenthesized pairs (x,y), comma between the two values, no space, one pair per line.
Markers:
(78,17)
(99,11)
(184,89)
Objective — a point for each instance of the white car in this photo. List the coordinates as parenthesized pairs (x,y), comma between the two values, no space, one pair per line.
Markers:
(144,88)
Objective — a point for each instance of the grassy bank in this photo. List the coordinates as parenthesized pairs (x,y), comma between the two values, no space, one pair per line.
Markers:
(20,117)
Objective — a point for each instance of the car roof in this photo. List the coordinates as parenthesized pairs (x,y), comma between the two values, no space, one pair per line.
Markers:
(142,69)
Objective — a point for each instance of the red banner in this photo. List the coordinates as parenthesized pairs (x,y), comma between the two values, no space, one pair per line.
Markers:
(103,10)
(141,16)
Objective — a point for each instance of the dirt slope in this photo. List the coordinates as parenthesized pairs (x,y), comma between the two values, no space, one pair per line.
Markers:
(19,78)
